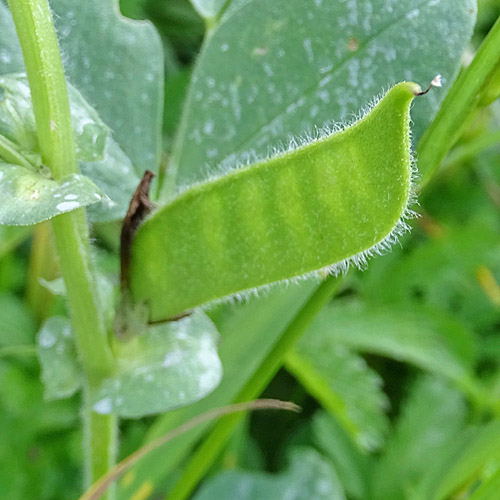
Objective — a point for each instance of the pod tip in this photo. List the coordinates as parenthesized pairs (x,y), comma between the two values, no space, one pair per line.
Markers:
(436,82)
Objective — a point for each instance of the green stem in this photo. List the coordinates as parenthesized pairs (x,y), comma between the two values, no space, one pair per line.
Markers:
(218,437)
(42,265)
(100,453)
(45,73)
(42,60)
(461,101)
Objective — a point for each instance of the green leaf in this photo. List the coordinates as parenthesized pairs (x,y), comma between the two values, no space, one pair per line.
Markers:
(48,428)
(123,83)
(339,198)
(308,477)
(29,198)
(62,375)
(421,337)
(441,271)
(274,70)
(342,382)
(432,420)
(170,365)
(115,176)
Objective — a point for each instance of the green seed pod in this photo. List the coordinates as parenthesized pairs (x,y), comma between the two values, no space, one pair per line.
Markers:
(328,203)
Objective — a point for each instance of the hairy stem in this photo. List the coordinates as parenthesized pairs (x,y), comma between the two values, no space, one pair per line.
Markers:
(45,73)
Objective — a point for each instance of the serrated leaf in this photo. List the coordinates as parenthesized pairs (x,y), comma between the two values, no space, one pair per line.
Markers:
(169,366)
(429,340)
(62,375)
(342,382)
(432,420)
(308,477)
(29,198)
(274,70)
(338,198)
(123,83)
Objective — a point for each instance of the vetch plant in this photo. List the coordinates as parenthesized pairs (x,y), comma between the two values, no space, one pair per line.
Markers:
(149,324)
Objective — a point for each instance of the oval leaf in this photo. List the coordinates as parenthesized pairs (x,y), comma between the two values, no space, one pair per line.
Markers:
(28,197)
(338,199)
(171,365)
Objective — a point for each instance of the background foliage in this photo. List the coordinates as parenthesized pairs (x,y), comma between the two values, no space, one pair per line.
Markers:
(398,375)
